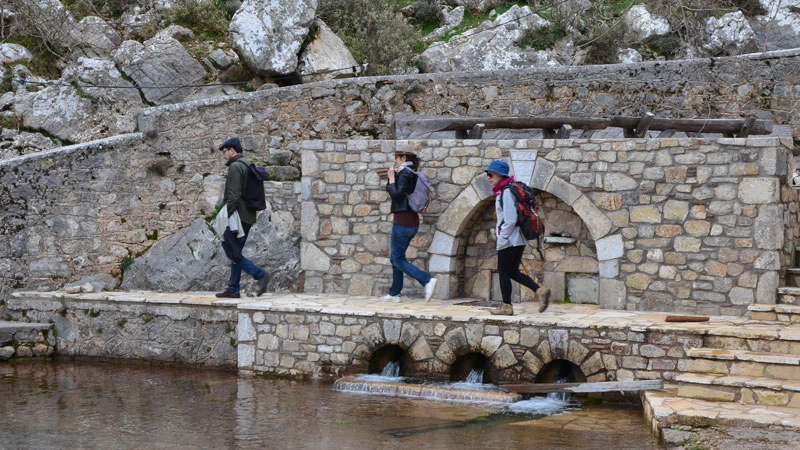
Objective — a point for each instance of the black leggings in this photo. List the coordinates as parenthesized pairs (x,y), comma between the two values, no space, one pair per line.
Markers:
(508,261)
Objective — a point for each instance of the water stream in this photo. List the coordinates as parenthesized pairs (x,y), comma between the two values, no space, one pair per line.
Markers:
(91,405)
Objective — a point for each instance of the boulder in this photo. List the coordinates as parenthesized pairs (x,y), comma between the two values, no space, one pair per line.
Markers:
(642,25)
(491,46)
(12,53)
(59,110)
(325,52)
(731,34)
(162,61)
(450,19)
(94,38)
(779,28)
(268,34)
(193,259)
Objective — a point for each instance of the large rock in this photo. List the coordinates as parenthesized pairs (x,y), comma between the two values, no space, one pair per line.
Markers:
(15,143)
(326,52)
(779,28)
(162,61)
(267,35)
(642,25)
(193,259)
(59,110)
(491,46)
(12,53)
(94,38)
(731,34)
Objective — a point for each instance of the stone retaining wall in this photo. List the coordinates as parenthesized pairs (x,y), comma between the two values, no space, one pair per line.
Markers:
(182,330)
(26,340)
(685,225)
(84,209)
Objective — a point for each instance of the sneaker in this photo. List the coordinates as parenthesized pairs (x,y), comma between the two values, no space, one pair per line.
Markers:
(228,294)
(543,295)
(505,309)
(429,289)
(262,284)
(391,298)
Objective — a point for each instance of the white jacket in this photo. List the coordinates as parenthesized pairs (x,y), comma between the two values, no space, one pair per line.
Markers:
(507,232)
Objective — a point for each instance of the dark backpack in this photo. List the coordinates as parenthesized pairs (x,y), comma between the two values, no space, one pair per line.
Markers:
(420,197)
(528,219)
(254,197)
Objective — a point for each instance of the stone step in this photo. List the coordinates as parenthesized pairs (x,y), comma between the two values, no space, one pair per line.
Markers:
(738,362)
(744,355)
(780,312)
(664,408)
(789,295)
(719,387)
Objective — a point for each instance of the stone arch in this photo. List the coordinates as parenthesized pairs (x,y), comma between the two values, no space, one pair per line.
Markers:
(557,345)
(539,174)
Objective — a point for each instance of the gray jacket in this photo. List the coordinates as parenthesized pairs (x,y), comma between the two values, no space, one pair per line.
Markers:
(507,232)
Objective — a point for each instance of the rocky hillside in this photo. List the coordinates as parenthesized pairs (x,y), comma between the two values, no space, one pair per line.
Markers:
(78,70)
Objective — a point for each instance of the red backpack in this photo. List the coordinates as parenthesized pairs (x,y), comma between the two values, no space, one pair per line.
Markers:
(528,219)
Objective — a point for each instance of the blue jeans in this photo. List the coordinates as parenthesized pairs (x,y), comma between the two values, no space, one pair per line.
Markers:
(401,239)
(245,264)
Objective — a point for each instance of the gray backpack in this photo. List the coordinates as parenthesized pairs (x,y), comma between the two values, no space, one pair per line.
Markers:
(421,197)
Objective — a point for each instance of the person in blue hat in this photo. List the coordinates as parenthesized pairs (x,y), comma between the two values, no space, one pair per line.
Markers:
(233,202)
(510,241)
(405,224)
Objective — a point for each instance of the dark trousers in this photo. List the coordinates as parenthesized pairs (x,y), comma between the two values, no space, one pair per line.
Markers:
(508,262)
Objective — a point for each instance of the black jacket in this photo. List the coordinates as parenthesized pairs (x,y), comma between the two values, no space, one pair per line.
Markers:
(404,183)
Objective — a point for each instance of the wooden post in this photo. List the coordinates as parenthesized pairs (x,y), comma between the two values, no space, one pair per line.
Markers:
(477,131)
(564,131)
(641,127)
(746,127)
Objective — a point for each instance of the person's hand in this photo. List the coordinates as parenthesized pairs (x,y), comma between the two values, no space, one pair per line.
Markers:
(390,173)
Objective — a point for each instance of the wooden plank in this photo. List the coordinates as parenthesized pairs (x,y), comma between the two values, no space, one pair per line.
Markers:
(721,126)
(686,319)
(603,386)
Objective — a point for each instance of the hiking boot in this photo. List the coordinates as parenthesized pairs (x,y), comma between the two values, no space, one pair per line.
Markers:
(228,294)
(429,289)
(505,309)
(543,296)
(262,284)
(391,298)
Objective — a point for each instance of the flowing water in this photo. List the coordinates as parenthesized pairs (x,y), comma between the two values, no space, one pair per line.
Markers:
(92,405)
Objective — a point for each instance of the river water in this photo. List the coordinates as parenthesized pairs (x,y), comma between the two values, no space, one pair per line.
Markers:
(96,405)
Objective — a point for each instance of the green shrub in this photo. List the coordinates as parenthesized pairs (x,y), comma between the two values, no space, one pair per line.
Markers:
(100,8)
(207,18)
(545,37)
(373,31)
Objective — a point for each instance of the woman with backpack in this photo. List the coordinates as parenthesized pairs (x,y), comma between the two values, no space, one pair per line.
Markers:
(405,225)
(510,241)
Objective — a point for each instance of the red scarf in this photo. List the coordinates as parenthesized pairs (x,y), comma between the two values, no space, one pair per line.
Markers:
(499,188)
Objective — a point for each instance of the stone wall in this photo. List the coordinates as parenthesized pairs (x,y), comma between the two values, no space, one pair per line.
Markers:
(325,345)
(686,225)
(179,330)
(765,85)
(84,209)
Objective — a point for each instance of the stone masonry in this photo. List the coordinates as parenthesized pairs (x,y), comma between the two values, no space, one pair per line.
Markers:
(686,225)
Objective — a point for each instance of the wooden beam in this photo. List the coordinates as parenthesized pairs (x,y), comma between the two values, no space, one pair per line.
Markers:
(564,131)
(603,386)
(405,125)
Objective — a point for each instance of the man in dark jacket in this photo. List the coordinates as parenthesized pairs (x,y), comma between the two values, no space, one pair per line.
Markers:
(233,201)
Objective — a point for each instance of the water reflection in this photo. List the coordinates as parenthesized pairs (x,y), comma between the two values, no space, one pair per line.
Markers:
(61,405)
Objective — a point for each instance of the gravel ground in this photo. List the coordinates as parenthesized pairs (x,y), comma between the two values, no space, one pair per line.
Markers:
(731,438)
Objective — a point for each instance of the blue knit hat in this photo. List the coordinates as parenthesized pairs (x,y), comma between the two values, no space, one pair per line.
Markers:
(499,167)
(233,143)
